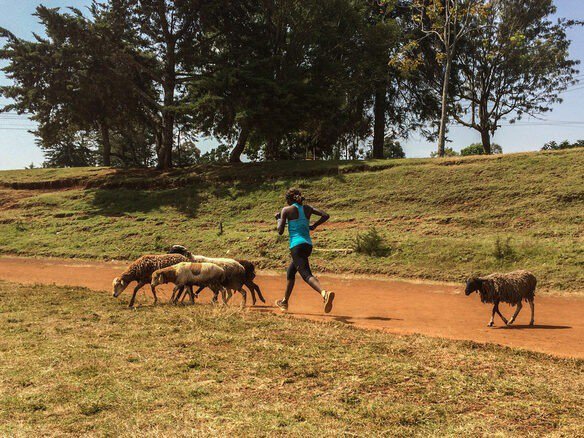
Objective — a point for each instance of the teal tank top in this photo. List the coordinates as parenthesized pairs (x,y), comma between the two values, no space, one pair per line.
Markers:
(299,228)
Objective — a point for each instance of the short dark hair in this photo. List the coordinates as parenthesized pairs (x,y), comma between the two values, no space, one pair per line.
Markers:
(293,195)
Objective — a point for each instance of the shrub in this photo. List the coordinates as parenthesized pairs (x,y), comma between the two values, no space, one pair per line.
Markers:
(503,250)
(477,149)
(371,243)
(554,146)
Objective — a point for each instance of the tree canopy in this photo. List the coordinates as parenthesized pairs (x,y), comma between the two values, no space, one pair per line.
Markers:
(140,82)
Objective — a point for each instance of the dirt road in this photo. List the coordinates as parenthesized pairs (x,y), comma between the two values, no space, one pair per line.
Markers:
(394,306)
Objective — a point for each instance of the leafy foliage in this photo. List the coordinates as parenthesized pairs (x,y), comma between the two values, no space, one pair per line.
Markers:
(503,251)
(555,146)
(478,149)
(371,243)
(515,64)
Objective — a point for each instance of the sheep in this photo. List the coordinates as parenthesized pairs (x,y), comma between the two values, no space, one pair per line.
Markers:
(187,274)
(247,265)
(511,288)
(141,271)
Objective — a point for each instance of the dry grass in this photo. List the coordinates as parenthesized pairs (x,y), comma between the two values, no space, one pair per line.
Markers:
(78,362)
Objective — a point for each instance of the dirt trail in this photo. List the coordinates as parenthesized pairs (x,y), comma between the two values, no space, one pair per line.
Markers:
(394,306)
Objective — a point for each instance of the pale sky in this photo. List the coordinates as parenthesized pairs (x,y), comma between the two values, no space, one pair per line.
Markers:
(566,121)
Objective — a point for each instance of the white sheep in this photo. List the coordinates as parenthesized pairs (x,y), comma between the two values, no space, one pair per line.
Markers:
(188,274)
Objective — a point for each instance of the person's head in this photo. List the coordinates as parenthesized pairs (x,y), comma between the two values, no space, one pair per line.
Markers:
(294,195)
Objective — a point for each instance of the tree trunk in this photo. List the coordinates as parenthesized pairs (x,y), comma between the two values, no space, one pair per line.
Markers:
(272,149)
(168,116)
(235,155)
(106,144)
(486,139)
(443,114)
(379,123)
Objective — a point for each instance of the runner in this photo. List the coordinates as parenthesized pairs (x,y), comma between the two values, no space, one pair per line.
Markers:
(298,216)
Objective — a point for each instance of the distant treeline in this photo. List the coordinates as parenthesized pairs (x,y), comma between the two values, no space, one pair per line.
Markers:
(140,82)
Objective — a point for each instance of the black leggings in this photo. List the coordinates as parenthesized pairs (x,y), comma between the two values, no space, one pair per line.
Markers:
(300,254)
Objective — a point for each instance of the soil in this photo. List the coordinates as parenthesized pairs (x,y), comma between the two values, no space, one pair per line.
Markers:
(400,307)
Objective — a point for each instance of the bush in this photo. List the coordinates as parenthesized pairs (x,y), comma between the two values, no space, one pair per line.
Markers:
(503,250)
(448,152)
(554,146)
(371,243)
(477,149)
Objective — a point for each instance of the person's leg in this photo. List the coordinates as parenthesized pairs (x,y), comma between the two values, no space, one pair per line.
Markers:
(300,258)
(303,266)
(290,280)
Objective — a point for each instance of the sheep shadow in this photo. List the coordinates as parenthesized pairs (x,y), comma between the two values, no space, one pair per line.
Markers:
(534,327)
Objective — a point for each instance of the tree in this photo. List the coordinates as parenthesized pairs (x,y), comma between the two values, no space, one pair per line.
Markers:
(448,152)
(477,149)
(555,146)
(447,22)
(68,83)
(517,64)
(170,33)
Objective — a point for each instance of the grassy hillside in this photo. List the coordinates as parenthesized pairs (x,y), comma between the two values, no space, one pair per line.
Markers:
(76,362)
(440,218)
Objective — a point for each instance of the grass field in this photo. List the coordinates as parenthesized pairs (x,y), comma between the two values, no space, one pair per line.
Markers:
(440,218)
(78,362)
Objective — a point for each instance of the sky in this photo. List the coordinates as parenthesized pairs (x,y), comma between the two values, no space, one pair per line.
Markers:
(565,122)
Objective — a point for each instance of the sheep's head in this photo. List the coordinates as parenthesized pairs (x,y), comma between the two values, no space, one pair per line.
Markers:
(119,285)
(179,249)
(158,277)
(472,285)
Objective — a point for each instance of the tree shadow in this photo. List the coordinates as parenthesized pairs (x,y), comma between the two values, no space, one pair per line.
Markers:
(123,201)
(534,327)
(144,190)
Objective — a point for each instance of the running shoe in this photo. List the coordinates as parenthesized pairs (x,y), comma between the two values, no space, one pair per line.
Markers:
(328,301)
(282,305)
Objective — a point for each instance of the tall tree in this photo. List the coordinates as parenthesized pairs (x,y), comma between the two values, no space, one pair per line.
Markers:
(447,22)
(170,33)
(66,80)
(518,64)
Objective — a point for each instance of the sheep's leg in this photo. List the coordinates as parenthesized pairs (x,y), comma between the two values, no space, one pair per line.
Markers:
(252,292)
(154,293)
(257,288)
(136,289)
(190,294)
(224,296)
(496,309)
(532,305)
(199,291)
(492,321)
(243,295)
(512,320)
(176,293)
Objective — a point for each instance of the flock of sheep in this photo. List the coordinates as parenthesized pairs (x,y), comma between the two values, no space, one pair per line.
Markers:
(222,275)
(225,276)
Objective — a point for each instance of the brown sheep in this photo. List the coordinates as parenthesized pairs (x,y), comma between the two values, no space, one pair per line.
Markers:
(187,274)
(512,288)
(247,265)
(141,271)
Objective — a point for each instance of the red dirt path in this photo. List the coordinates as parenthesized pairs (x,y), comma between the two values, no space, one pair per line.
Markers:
(395,306)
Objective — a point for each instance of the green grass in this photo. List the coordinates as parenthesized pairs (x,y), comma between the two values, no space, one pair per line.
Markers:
(440,218)
(77,362)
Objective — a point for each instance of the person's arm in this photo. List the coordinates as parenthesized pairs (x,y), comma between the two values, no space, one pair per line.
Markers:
(321,220)
(281,218)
